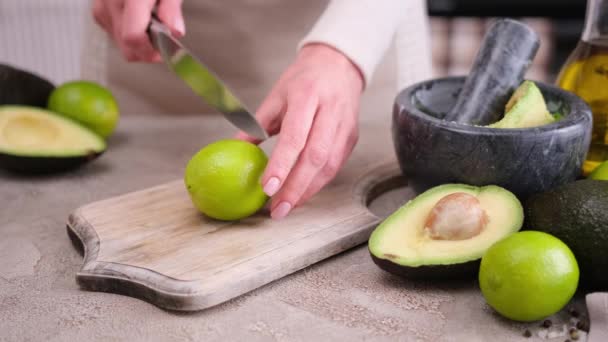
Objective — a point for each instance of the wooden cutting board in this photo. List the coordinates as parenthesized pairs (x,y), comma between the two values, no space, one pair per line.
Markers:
(154,245)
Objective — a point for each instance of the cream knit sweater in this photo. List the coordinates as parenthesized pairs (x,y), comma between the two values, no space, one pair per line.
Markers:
(365,29)
(43,36)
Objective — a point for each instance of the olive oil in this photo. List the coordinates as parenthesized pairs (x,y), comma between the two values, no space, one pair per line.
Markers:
(585,73)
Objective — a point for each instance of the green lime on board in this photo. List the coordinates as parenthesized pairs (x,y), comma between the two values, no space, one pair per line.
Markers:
(223,179)
(600,172)
(87,102)
(528,276)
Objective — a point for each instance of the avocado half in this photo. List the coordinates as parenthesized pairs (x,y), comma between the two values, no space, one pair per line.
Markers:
(35,140)
(526,108)
(403,244)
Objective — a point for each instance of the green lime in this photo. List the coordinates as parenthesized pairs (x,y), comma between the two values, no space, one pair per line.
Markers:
(528,276)
(600,172)
(223,179)
(87,102)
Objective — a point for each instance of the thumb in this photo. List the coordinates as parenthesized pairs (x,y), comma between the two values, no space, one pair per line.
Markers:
(170,13)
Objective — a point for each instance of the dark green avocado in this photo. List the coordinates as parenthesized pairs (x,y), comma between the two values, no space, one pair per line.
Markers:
(34,140)
(444,232)
(20,87)
(577,214)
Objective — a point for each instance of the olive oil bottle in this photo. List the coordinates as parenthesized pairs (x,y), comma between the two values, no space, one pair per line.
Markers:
(585,73)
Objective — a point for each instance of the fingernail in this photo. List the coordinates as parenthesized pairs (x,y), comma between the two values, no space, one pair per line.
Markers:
(272,186)
(180,26)
(281,210)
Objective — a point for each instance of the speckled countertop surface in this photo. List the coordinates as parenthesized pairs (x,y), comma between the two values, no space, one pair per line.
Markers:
(345,298)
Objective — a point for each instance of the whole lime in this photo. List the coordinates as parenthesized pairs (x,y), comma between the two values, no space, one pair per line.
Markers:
(528,276)
(600,172)
(87,102)
(223,179)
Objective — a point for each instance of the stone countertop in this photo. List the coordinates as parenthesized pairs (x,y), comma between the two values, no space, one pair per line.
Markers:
(344,298)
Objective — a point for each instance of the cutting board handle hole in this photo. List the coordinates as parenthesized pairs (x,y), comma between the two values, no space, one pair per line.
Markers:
(76,242)
(387,193)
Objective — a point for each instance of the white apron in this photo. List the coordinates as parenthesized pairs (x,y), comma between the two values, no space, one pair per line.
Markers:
(248,43)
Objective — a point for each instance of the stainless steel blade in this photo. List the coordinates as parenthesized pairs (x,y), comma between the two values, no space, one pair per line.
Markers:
(203,81)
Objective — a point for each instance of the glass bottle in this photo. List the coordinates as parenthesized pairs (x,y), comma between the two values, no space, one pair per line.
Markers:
(585,73)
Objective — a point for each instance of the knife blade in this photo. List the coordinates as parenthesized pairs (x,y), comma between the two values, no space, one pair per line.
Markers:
(202,80)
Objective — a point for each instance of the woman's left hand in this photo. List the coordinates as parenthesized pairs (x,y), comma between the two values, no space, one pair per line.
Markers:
(314,110)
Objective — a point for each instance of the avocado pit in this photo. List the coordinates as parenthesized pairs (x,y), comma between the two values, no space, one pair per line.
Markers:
(457,216)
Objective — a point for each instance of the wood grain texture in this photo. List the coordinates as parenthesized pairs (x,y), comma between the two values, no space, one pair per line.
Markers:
(154,245)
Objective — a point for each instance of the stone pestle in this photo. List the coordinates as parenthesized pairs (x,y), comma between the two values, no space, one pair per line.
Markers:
(506,51)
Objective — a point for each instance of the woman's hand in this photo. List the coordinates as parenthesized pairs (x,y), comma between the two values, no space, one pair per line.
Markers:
(314,109)
(126,22)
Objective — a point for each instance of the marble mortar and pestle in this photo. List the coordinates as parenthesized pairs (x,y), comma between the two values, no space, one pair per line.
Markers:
(439,132)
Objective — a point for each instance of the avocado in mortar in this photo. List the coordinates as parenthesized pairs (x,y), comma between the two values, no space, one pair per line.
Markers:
(526,108)
(35,140)
(444,231)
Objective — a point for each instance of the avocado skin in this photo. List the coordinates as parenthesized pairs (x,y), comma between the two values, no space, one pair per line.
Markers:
(43,165)
(20,87)
(466,270)
(577,214)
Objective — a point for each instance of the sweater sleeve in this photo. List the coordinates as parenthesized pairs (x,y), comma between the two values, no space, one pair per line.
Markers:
(362,30)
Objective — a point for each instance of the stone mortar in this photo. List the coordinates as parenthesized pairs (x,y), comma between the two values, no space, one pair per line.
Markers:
(432,151)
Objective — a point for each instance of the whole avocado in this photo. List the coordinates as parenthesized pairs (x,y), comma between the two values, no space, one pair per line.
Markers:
(21,87)
(576,213)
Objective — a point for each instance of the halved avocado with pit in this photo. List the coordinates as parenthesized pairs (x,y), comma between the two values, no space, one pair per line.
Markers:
(35,140)
(444,232)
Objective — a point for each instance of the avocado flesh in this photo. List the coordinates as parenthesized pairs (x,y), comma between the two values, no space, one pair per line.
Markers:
(33,138)
(577,214)
(526,108)
(401,239)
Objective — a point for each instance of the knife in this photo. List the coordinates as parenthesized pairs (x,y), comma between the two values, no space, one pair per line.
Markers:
(202,80)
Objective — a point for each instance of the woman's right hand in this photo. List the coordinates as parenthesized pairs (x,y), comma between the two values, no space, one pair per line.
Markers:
(126,22)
